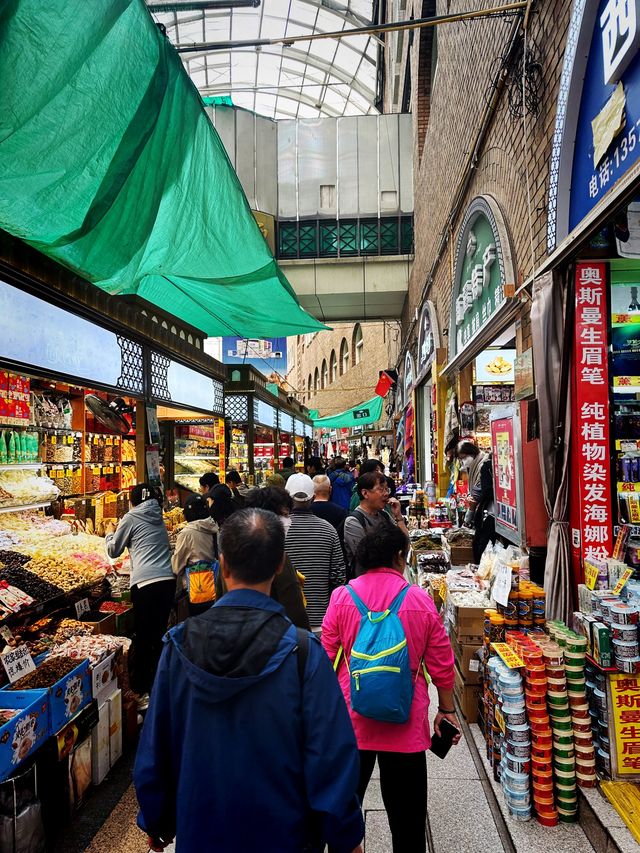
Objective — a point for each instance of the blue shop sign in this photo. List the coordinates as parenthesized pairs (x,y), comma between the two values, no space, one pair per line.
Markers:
(597,133)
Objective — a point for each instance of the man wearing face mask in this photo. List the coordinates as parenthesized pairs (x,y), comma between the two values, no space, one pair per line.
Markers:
(480,514)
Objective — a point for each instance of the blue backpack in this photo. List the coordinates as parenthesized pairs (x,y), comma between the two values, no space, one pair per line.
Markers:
(381,680)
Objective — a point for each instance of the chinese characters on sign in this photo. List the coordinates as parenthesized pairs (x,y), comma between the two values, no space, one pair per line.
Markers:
(592,412)
(625,700)
(620,37)
(17,662)
(508,655)
(504,472)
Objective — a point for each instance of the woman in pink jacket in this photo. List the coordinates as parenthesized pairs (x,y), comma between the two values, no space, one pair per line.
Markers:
(399,748)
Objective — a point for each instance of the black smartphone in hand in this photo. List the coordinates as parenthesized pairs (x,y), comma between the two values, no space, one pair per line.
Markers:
(441,744)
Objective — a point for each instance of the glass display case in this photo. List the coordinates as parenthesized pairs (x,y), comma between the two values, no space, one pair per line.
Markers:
(238,459)
(264,458)
(199,448)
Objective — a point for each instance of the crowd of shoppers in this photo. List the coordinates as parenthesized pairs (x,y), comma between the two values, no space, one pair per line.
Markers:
(249,665)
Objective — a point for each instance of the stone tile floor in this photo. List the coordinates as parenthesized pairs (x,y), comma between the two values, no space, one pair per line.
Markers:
(461,819)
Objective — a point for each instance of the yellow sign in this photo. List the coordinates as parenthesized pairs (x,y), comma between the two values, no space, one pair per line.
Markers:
(590,575)
(500,720)
(625,701)
(626,381)
(628,573)
(633,502)
(626,488)
(508,655)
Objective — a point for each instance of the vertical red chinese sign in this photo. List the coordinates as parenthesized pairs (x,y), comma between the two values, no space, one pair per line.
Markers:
(591,423)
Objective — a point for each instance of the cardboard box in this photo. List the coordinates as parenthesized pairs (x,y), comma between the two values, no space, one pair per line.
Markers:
(461,555)
(101,623)
(66,697)
(80,773)
(601,637)
(100,745)
(23,734)
(467,696)
(468,624)
(102,675)
(115,727)
(467,661)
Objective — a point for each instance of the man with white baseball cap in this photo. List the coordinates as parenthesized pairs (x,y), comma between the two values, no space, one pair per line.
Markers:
(314,549)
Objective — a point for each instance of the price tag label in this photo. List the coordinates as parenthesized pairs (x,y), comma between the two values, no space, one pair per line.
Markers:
(626,575)
(508,655)
(502,584)
(109,441)
(82,606)
(590,575)
(5,633)
(500,719)
(17,662)
(53,440)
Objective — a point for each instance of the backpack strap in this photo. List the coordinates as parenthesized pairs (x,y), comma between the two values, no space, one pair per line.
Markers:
(397,601)
(302,653)
(362,607)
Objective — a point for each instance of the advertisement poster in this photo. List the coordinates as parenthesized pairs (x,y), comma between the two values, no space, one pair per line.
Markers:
(504,472)
(591,413)
(625,704)
(268,355)
(496,366)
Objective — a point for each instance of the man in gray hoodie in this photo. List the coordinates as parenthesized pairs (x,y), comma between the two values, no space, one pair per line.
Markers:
(143,532)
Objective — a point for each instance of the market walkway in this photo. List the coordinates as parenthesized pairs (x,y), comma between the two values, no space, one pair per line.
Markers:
(466,815)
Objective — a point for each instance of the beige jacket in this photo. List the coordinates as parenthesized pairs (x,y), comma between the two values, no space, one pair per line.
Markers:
(196,541)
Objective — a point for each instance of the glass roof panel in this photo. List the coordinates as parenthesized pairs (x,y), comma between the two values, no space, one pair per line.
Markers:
(328,77)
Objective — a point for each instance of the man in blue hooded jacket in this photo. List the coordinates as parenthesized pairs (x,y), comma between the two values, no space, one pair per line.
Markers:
(242,748)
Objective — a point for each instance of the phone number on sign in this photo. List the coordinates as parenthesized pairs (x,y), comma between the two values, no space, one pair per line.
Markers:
(608,167)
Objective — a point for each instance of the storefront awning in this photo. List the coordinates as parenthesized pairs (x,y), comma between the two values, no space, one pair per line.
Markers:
(365,413)
(110,166)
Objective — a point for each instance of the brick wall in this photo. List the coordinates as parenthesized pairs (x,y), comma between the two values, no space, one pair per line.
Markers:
(357,383)
(449,117)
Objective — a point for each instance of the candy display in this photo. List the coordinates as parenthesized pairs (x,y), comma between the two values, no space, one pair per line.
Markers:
(538,730)
(21,488)
(50,670)
(94,647)
(38,588)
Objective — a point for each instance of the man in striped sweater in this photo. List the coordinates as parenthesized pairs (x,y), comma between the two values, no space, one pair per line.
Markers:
(313,547)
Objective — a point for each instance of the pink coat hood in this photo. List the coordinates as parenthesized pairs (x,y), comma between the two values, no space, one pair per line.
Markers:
(426,640)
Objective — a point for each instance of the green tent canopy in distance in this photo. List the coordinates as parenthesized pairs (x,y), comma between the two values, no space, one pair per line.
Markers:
(365,413)
(110,165)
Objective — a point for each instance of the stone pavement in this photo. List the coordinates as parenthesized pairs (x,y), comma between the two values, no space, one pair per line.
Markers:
(466,814)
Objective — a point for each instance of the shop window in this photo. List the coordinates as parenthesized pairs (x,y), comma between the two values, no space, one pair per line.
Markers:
(316,380)
(333,367)
(344,357)
(358,344)
(328,239)
(325,373)
(348,238)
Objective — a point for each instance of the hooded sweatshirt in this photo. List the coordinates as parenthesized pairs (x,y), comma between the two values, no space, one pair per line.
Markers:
(196,541)
(143,532)
(341,487)
(235,751)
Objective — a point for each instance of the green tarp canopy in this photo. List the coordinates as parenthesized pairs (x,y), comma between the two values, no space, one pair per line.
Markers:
(365,413)
(109,165)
